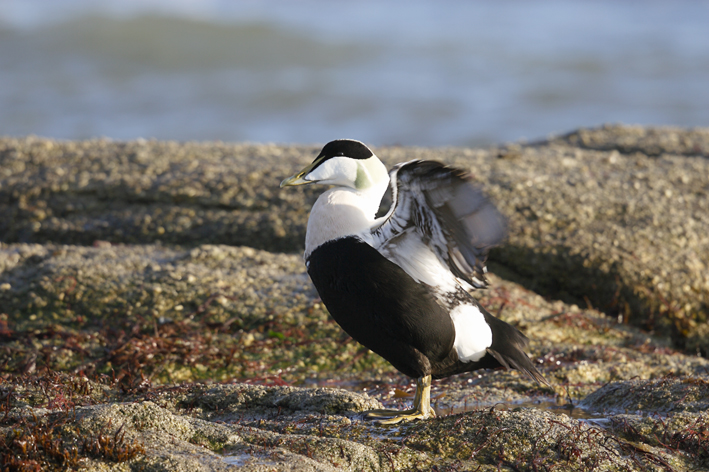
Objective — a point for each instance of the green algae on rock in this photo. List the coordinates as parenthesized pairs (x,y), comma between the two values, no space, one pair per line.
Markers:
(170,314)
(219,312)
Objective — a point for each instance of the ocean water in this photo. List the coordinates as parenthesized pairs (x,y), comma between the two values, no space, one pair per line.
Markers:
(450,72)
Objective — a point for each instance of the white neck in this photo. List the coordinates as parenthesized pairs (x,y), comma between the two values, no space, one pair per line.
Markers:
(343,211)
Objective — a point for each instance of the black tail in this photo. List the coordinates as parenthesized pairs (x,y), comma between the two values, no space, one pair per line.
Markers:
(507,348)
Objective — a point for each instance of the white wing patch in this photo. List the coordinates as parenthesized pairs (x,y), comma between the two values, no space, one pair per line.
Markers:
(416,259)
(472,334)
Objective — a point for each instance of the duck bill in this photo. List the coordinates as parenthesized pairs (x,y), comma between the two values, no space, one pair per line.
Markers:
(299,178)
(294,180)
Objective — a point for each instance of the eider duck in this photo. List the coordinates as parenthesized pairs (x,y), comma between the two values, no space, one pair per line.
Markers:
(400,284)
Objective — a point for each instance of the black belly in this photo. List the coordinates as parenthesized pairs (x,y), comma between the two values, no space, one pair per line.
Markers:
(381,306)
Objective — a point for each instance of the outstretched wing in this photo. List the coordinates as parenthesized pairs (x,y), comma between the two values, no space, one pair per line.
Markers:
(448,212)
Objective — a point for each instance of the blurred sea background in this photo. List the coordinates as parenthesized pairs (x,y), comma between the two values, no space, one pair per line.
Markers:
(449,72)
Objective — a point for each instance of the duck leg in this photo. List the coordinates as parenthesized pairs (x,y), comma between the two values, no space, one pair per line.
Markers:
(421,408)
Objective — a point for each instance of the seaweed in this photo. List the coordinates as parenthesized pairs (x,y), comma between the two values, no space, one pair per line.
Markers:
(52,443)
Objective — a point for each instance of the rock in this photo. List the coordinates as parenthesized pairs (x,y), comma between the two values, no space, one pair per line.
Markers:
(123,331)
(147,191)
(175,429)
(259,401)
(667,413)
(616,217)
(658,396)
(640,139)
(685,433)
(523,440)
(132,337)
(172,436)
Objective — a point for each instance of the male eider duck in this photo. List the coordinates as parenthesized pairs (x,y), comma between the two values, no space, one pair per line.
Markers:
(400,284)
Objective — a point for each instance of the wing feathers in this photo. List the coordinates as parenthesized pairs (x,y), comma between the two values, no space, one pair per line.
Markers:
(449,212)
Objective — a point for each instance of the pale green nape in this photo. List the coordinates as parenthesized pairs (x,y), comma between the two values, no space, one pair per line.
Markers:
(366,173)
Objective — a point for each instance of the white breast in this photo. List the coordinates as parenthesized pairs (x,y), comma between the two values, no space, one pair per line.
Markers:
(337,213)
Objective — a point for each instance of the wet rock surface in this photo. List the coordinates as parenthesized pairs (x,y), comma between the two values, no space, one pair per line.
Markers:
(155,313)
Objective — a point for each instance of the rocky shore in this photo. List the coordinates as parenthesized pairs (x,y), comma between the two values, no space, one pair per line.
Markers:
(155,313)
